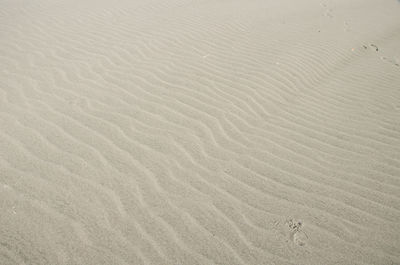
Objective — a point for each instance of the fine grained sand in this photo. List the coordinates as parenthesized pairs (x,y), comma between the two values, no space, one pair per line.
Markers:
(199,132)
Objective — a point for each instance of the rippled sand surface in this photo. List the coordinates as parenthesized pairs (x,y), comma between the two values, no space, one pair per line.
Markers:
(199,132)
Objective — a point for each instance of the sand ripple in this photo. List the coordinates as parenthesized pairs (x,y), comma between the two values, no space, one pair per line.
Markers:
(199,132)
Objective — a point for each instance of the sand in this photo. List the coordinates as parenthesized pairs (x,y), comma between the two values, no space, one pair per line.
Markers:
(199,132)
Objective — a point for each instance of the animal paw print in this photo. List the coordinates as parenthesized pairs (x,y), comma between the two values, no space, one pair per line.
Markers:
(296,235)
(327,11)
(392,61)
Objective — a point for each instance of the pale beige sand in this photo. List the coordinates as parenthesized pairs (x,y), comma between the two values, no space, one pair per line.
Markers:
(199,132)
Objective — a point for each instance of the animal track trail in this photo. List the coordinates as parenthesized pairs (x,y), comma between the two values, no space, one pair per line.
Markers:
(296,235)
(391,61)
(394,61)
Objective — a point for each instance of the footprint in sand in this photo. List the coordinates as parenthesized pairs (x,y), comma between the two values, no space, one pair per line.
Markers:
(375,47)
(296,235)
(327,11)
(392,61)
(346,26)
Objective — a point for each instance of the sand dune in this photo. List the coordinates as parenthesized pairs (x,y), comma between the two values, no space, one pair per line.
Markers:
(199,132)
